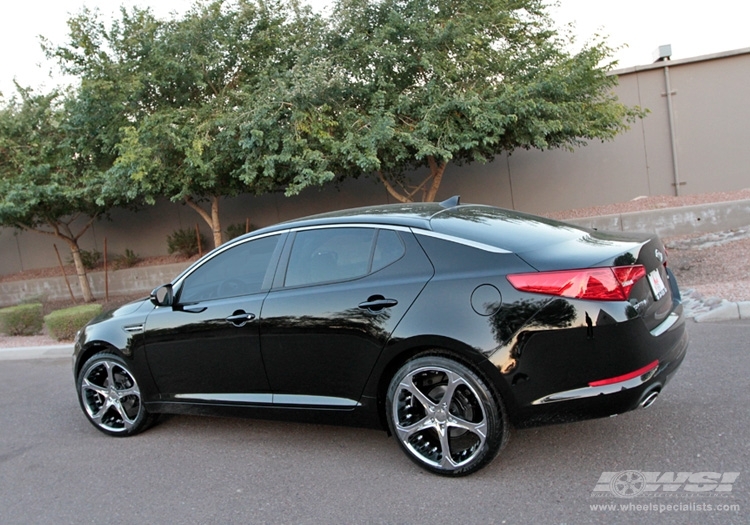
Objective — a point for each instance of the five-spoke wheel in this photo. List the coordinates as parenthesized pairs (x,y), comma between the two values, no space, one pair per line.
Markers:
(444,416)
(110,396)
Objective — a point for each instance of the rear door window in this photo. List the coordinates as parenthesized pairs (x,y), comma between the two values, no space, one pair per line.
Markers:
(340,254)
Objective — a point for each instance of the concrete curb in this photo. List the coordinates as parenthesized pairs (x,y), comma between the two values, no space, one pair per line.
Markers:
(726,311)
(36,352)
(667,222)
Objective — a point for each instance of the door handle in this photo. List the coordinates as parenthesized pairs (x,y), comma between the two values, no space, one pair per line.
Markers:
(376,303)
(240,318)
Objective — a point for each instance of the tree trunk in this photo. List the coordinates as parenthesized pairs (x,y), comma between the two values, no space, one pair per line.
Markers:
(212,219)
(216,222)
(429,186)
(80,270)
(436,174)
(62,230)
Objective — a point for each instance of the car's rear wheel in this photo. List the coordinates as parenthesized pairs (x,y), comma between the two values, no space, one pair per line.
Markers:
(110,396)
(444,416)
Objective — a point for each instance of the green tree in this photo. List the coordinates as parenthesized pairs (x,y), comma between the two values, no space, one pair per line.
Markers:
(283,120)
(177,87)
(47,183)
(414,84)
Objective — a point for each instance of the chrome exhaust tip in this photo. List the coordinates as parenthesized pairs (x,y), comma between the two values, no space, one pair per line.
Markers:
(649,399)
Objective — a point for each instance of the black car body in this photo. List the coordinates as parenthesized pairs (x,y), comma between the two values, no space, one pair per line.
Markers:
(440,322)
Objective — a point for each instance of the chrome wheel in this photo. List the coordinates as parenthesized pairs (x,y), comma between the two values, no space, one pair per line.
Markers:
(444,417)
(110,396)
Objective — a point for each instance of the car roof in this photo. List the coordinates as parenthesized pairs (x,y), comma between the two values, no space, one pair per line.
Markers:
(412,215)
(443,217)
(482,225)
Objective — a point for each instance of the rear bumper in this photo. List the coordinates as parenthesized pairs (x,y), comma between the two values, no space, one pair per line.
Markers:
(624,366)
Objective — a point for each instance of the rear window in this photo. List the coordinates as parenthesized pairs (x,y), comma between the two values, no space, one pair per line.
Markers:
(505,229)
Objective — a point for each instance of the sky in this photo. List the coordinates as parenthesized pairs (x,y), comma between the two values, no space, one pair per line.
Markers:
(636,27)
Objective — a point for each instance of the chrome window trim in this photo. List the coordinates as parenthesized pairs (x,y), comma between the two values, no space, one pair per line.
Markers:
(351,225)
(414,230)
(458,240)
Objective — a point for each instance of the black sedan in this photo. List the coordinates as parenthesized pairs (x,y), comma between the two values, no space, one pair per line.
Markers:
(441,323)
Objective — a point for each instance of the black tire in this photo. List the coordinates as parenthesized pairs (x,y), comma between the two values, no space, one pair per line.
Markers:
(470,425)
(110,396)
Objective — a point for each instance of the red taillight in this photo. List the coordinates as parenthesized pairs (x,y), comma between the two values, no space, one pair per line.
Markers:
(599,284)
(626,377)
(627,276)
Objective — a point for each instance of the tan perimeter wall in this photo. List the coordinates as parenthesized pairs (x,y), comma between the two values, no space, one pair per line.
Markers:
(710,143)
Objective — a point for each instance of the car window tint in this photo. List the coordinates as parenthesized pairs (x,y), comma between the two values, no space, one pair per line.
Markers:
(388,249)
(239,270)
(330,254)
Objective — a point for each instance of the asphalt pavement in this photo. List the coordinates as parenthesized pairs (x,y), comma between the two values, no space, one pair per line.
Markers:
(57,468)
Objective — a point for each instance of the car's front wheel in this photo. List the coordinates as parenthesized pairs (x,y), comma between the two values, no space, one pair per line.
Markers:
(110,396)
(444,416)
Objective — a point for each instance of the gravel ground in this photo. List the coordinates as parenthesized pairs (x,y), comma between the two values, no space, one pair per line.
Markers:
(709,267)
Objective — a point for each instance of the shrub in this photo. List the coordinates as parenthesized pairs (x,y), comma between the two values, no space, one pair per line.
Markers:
(235,230)
(63,324)
(24,319)
(184,242)
(127,260)
(90,259)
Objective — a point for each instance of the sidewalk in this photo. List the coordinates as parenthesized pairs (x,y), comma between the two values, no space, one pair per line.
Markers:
(714,310)
(36,352)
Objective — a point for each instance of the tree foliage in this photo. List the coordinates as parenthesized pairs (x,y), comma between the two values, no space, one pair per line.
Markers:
(282,121)
(422,83)
(47,183)
(179,86)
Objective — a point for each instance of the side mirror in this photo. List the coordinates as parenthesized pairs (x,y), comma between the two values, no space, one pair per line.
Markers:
(162,296)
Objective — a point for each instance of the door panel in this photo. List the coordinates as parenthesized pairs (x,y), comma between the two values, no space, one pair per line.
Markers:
(317,341)
(208,343)
(204,352)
